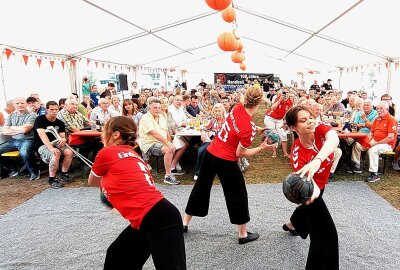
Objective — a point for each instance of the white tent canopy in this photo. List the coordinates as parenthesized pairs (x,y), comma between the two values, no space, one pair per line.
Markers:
(281,37)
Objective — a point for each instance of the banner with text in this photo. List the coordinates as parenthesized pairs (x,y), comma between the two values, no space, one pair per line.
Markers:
(233,81)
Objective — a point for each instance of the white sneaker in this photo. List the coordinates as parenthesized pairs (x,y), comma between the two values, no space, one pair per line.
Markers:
(241,167)
(171,180)
(178,166)
(395,166)
(245,163)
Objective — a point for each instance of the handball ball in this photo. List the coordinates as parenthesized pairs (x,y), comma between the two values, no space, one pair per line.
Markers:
(297,189)
(271,136)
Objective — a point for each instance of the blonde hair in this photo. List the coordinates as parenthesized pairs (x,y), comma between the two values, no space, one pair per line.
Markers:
(216,106)
(252,97)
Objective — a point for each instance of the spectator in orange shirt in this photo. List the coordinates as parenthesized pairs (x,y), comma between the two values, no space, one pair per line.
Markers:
(381,139)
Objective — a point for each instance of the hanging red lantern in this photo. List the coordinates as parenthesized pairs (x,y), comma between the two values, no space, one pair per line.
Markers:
(237,57)
(218,4)
(240,47)
(227,42)
(229,14)
(243,66)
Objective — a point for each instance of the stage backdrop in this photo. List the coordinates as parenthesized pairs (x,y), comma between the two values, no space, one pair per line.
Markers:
(233,81)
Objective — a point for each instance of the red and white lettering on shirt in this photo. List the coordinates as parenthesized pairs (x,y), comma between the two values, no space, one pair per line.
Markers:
(301,155)
(281,110)
(126,182)
(237,128)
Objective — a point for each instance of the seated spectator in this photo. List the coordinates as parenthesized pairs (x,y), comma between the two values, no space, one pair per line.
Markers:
(103,112)
(364,95)
(388,99)
(34,106)
(382,138)
(6,112)
(51,153)
(317,112)
(193,108)
(185,104)
(94,95)
(395,163)
(208,134)
(226,104)
(19,125)
(61,103)
(143,100)
(336,108)
(131,110)
(135,90)
(156,140)
(177,112)
(88,104)
(109,92)
(358,109)
(73,120)
(36,95)
(366,117)
(214,97)
(81,108)
(115,105)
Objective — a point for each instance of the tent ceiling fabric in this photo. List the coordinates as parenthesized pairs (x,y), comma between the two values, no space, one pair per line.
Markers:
(69,27)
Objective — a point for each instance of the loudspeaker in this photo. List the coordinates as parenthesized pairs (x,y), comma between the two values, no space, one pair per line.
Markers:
(122,82)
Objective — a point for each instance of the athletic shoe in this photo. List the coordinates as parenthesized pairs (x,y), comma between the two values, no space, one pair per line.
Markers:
(373,178)
(185,228)
(250,237)
(241,167)
(195,177)
(331,176)
(356,169)
(65,177)
(13,173)
(178,166)
(245,163)
(55,184)
(395,166)
(35,176)
(177,172)
(287,229)
(171,180)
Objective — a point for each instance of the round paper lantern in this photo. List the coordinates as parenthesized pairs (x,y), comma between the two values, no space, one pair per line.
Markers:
(229,14)
(218,4)
(227,42)
(243,66)
(240,47)
(237,57)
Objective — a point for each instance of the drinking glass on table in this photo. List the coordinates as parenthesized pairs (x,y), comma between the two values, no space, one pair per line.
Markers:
(92,125)
(197,124)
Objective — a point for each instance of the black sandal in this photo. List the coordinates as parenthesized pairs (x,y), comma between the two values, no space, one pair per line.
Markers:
(286,228)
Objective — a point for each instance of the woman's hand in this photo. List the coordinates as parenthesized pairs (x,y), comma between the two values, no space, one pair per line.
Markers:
(264,145)
(261,129)
(315,194)
(310,169)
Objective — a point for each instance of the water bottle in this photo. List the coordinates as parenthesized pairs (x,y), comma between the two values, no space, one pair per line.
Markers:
(98,127)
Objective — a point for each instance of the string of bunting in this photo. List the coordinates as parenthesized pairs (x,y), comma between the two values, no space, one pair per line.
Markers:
(229,41)
(52,60)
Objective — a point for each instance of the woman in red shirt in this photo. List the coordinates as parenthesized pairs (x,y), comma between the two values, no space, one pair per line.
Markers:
(232,142)
(155,224)
(313,154)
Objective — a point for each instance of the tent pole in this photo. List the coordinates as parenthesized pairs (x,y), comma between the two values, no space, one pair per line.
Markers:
(2,77)
(389,78)
(340,78)
(73,77)
(165,80)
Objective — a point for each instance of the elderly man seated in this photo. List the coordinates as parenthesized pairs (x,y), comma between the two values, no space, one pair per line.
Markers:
(35,107)
(336,108)
(366,117)
(51,153)
(74,121)
(19,125)
(382,138)
(155,140)
(103,112)
(177,112)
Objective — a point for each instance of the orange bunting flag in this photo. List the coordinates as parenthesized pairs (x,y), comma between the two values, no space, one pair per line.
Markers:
(396,65)
(96,63)
(39,61)
(115,67)
(8,53)
(52,64)
(26,57)
(387,65)
(87,61)
(72,62)
(102,65)
(108,66)
(129,68)
(62,63)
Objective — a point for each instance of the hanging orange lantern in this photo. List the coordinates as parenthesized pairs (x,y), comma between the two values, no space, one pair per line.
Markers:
(240,47)
(237,57)
(229,14)
(218,4)
(243,66)
(227,42)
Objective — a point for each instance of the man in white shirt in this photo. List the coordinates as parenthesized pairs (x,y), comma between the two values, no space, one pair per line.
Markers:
(177,111)
(103,112)
(4,113)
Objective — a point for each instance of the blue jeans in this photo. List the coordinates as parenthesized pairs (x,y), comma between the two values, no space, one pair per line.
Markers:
(25,148)
(200,154)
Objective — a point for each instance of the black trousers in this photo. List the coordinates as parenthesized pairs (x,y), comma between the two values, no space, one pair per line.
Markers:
(316,221)
(160,234)
(233,185)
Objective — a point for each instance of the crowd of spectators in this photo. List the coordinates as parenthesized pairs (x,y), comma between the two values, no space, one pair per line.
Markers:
(160,114)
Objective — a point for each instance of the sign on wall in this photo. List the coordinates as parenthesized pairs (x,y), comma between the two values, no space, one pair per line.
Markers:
(233,81)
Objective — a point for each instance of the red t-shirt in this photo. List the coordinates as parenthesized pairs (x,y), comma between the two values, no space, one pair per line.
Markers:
(280,111)
(301,156)
(237,128)
(381,127)
(127,182)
